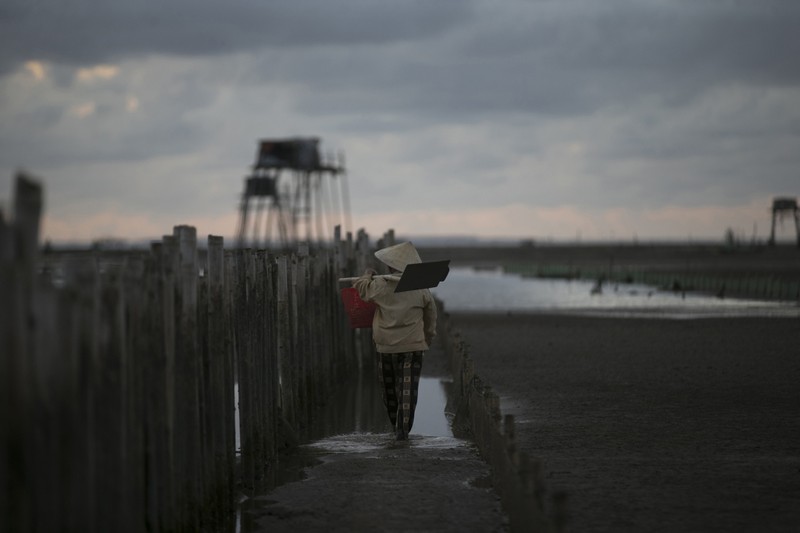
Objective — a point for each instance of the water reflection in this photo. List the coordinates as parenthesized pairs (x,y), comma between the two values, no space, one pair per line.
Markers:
(430,419)
(358,408)
(468,289)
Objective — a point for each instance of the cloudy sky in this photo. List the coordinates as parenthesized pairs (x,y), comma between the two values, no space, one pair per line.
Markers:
(544,119)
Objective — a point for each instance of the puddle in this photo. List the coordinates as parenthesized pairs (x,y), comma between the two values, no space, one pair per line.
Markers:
(370,442)
(431,427)
(430,418)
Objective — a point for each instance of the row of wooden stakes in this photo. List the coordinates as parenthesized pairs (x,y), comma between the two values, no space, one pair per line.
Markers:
(121,372)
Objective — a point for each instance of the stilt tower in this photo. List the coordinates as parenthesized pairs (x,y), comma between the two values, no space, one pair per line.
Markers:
(782,207)
(302,194)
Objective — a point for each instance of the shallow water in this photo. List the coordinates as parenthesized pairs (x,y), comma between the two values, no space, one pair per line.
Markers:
(429,418)
(467,289)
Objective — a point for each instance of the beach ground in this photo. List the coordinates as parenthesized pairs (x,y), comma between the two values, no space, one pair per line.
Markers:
(653,424)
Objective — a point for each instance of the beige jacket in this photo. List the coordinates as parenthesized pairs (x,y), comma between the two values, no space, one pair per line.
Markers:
(404,321)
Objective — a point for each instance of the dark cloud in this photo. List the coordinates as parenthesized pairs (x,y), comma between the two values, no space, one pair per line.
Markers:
(447,58)
(52,134)
(534,58)
(94,32)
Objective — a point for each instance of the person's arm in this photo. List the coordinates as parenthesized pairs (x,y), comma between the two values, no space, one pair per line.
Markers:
(429,319)
(365,285)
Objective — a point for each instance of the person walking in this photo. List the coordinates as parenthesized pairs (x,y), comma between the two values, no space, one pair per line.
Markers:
(403,328)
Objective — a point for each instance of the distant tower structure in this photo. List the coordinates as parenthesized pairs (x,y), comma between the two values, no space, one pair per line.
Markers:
(299,191)
(780,208)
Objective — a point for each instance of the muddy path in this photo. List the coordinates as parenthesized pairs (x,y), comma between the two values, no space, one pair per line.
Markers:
(355,477)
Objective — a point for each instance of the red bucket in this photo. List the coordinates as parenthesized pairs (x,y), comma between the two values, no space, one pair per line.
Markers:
(358,311)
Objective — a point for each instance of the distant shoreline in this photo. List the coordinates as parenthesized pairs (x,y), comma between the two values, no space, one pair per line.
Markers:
(781,262)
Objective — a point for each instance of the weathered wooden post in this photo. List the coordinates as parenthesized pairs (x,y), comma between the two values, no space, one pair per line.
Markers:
(171,301)
(344,335)
(285,363)
(228,265)
(349,263)
(240,323)
(107,382)
(207,505)
(78,350)
(256,335)
(270,394)
(9,430)
(187,372)
(220,392)
(319,304)
(296,292)
(153,390)
(295,360)
(19,251)
(138,357)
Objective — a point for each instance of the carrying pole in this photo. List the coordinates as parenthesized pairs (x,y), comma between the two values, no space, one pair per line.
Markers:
(383,276)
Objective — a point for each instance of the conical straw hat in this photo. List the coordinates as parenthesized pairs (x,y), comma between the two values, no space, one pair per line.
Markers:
(399,255)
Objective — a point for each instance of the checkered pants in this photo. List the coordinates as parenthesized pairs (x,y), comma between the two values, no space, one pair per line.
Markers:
(399,375)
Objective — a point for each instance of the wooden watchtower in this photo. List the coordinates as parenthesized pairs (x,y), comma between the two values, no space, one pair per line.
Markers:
(299,190)
(782,207)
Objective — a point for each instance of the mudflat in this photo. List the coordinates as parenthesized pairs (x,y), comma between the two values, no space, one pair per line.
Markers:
(653,424)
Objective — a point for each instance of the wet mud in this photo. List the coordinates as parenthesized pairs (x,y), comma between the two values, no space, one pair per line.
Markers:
(653,424)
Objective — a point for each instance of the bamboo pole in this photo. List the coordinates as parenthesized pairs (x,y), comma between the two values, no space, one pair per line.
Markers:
(381,276)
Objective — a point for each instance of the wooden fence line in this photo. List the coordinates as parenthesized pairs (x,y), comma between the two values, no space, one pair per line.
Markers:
(119,373)
(517,477)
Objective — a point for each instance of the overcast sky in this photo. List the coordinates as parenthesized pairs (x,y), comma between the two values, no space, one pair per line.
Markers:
(543,119)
